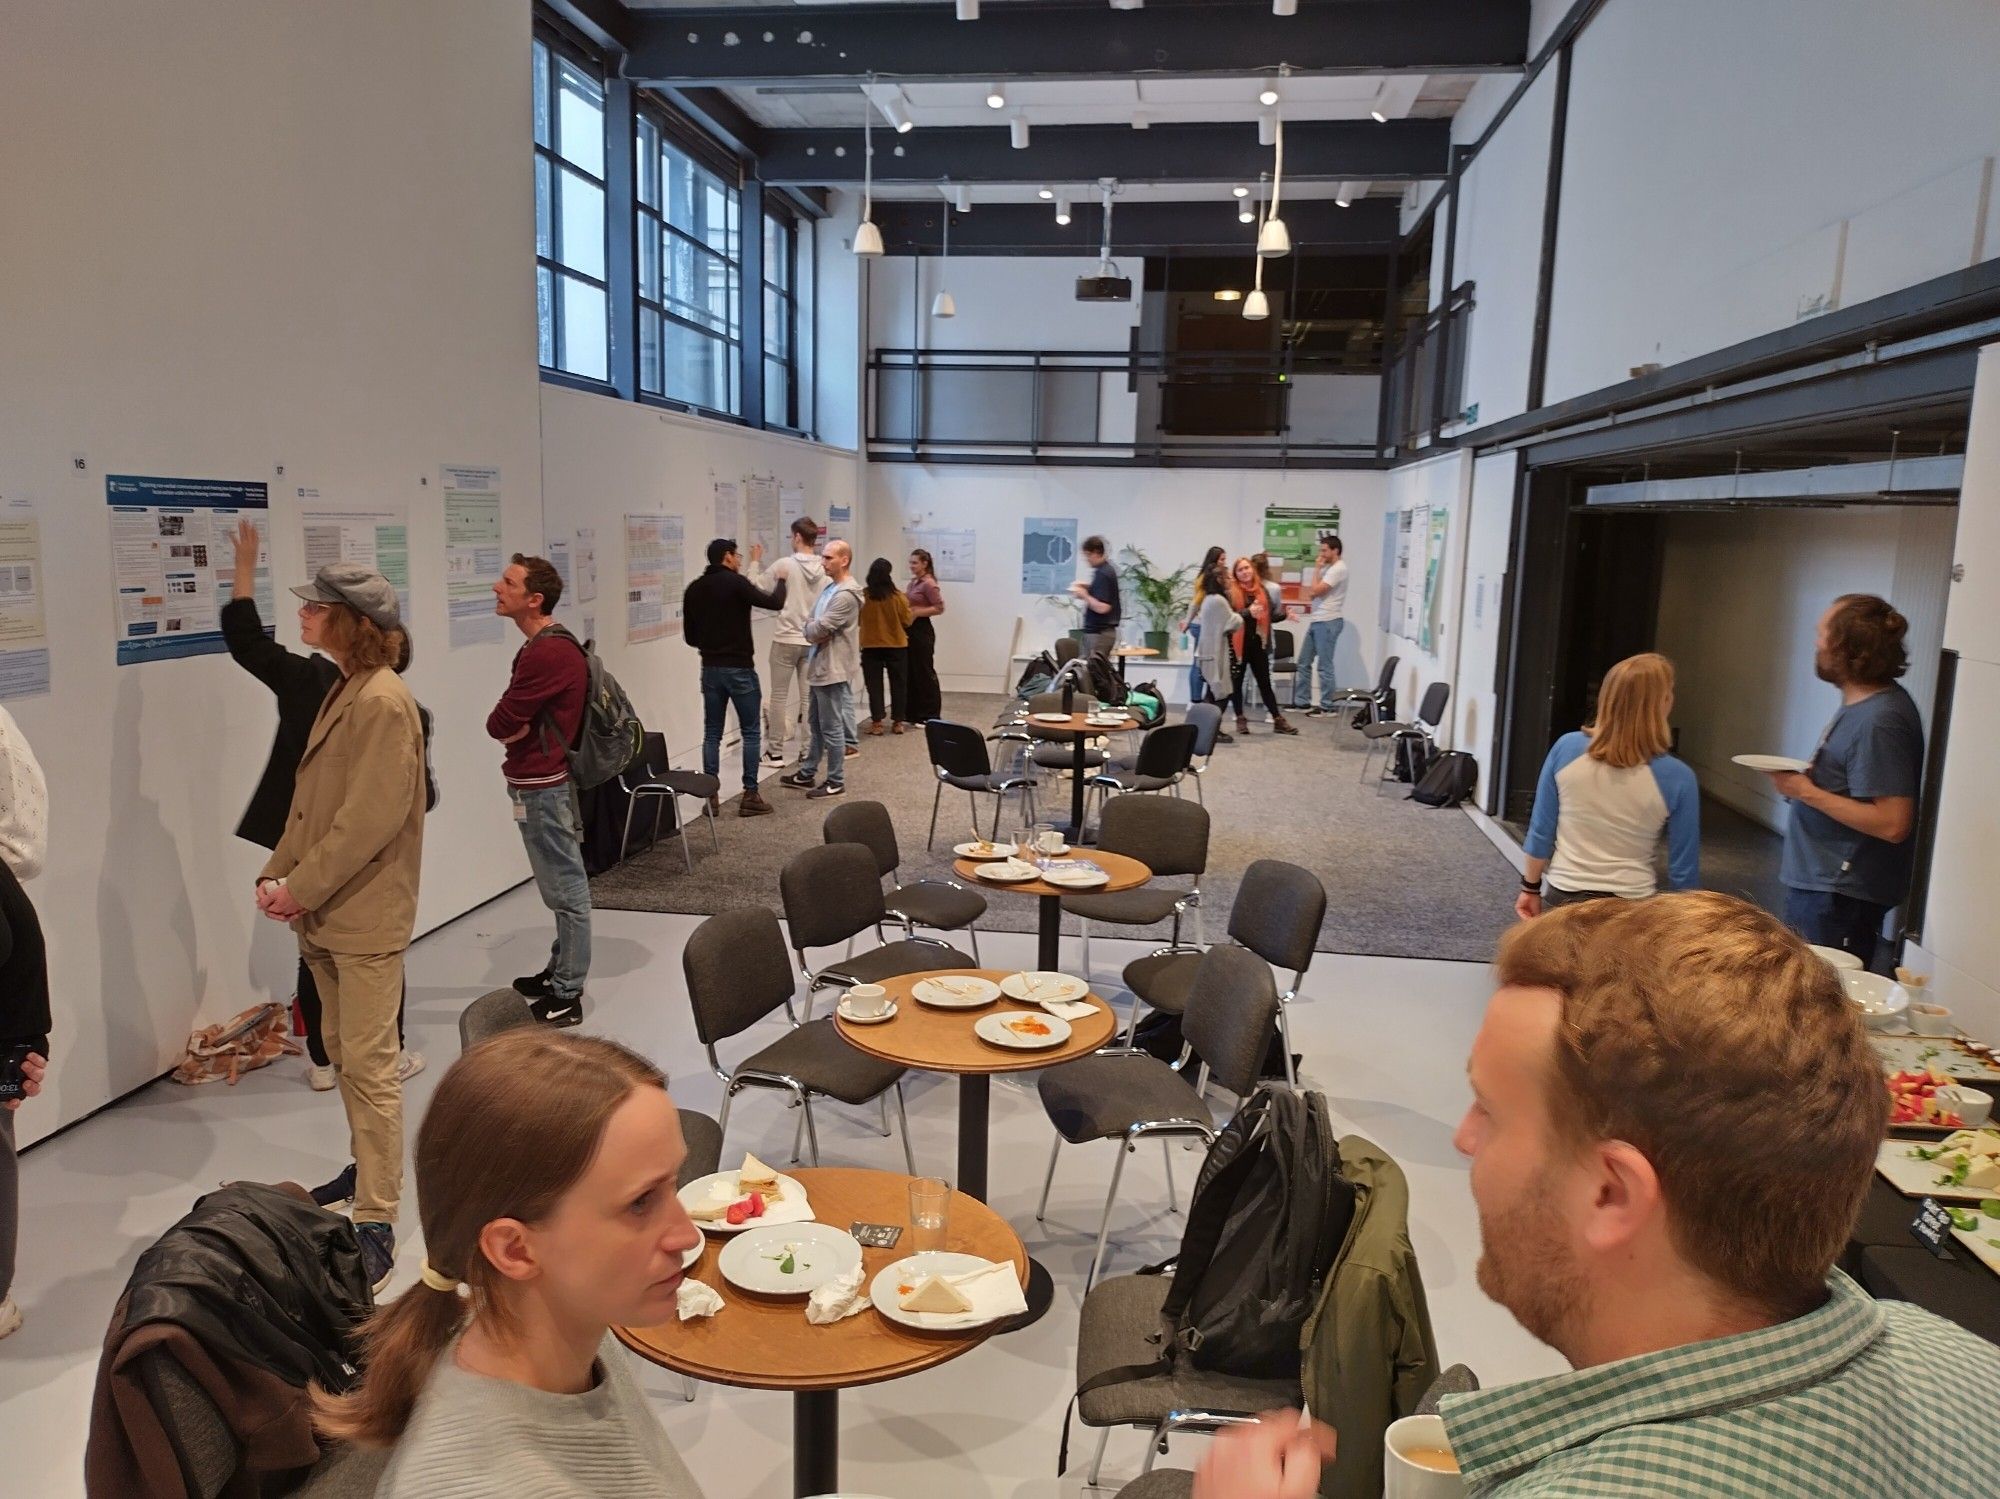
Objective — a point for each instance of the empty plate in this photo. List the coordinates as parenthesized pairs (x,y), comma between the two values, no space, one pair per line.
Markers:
(1076,876)
(955,992)
(1771,762)
(1022,1032)
(1037,987)
(1008,872)
(791,1259)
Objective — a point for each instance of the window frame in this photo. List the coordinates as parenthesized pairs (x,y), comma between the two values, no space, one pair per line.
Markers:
(559,50)
(673,133)
(791,419)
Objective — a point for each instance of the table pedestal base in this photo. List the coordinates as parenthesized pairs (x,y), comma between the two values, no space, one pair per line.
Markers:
(1048,948)
(975,1090)
(815,1442)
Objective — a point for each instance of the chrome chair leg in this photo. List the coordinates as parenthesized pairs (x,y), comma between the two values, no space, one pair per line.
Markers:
(1125,1148)
(687,855)
(1285,1039)
(722,1120)
(625,839)
(812,1129)
(936,797)
(903,1118)
(1084,928)
(882,1106)
(1097,1458)
(714,842)
(1055,1149)
(974,933)
(798,1136)
(1167,1150)
(687,1389)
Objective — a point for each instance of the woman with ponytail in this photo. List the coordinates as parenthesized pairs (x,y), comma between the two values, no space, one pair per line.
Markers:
(545,1173)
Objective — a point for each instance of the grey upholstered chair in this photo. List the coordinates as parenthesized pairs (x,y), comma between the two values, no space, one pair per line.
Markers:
(207,1451)
(1371,698)
(1163,759)
(1170,838)
(832,894)
(1277,915)
(654,778)
(1128,1096)
(944,905)
(737,974)
(1207,721)
(959,760)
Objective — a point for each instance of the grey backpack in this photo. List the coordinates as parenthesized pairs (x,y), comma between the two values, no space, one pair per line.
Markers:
(610,736)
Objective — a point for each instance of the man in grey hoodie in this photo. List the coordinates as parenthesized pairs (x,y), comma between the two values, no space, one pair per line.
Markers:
(803,578)
(832,629)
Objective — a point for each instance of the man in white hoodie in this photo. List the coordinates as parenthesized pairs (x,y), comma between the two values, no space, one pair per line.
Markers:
(804,578)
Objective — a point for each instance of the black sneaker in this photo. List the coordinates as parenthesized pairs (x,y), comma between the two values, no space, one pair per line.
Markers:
(553,1011)
(378,1253)
(533,985)
(798,780)
(336,1192)
(1223,737)
(830,788)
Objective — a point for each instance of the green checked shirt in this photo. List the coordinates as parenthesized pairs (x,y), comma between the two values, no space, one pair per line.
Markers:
(1860,1398)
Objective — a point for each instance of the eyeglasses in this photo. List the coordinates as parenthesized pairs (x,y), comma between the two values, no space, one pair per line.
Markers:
(313,606)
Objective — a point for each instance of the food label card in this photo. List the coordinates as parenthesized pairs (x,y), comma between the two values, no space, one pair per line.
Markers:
(1932,1228)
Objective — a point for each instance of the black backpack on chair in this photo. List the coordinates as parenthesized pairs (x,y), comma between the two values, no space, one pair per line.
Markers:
(1104,683)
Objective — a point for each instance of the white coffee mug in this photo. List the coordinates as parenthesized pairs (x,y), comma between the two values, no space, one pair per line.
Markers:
(867,1000)
(1406,1478)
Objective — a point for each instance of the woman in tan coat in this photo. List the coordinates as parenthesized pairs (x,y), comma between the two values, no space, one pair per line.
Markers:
(344,874)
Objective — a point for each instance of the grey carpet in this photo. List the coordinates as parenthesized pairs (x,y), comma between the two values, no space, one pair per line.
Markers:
(1402,880)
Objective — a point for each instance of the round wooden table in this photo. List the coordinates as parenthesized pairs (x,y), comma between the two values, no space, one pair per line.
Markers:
(1126,653)
(1077,728)
(765,1342)
(934,1040)
(1126,874)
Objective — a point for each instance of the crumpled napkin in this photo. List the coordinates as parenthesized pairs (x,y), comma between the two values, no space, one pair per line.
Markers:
(839,1298)
(695,1298)
(1078,1009)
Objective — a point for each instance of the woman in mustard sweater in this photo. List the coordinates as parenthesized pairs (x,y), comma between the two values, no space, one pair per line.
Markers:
(885,645)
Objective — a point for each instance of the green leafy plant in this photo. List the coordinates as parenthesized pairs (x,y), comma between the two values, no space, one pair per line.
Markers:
(1164,599)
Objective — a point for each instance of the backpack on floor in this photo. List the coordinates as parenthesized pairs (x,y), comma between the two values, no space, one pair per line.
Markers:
(1270,1211)
(1414,755)
(1104,683)
(1448,782)
(610,736)
(1146,703)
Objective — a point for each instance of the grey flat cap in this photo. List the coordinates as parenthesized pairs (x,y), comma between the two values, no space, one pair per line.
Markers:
(365,591)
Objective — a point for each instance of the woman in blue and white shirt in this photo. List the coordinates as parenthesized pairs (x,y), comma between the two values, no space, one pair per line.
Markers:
(1606,794)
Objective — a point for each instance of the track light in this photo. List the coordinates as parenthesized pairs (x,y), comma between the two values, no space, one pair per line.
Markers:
(1045,193)
(1017,131)
(1245,214)
(1257,306)
(896,110)
(1343,196)
(996,97)
(1267,130)
(1278,7)
(1141,120)
(1240,190)
(1128,4)
(1062,208)
(968,10)
(1377,116)
(1269,94)
(1229,294)
(962,198)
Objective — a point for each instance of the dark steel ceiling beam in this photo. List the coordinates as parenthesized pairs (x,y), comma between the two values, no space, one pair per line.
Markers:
(1076,39)
(909,228)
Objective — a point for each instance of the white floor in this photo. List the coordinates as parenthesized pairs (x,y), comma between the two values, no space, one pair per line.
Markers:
(1385,1039)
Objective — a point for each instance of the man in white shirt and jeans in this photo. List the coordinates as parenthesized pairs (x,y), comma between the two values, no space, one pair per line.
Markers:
(804,578)
(1328,592)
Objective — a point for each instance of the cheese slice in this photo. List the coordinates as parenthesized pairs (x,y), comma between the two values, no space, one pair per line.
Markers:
(1983,1173)
(936,1295)
(755,1176)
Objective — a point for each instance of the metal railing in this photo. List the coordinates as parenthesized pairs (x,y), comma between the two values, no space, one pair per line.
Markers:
(1276,408)
(1423,391)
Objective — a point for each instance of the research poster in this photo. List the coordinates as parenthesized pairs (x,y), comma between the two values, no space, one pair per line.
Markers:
(1048,553)
(1292,533)
(1440,519)
(954,554)
(839,524)
(1385,596)
(586,564)
(791,507)
(377,539)
(1411,585)
(24,636)
(173,564)
(760,518)
(728,510)
(473,558)
(653,577)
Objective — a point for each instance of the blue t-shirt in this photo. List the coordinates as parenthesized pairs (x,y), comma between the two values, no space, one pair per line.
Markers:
(1103,588)
(1873,748)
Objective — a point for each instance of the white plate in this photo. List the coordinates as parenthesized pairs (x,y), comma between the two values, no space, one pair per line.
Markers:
(853,1019)
(696,1193)
(998,1030)
(1059,987)
(1919,1178)
(1771,762)
(885,1292)
(1050,717)
(1008,873)
(1074,877)
(983,850)
(971,992)
(819,1252)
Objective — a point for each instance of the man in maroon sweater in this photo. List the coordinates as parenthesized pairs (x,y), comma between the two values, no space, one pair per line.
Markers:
(537,718)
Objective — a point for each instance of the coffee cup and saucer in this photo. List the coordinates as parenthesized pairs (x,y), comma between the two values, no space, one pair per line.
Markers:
(866,1004)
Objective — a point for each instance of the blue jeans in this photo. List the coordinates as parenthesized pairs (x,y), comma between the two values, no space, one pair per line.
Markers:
(721,686)
(1197,684)
(553,833)
(1322,635)
(1834,920)
(831,706)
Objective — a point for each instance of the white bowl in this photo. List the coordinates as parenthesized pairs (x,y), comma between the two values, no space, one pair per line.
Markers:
(1970,1104)
(1840,962)
(1881,1001)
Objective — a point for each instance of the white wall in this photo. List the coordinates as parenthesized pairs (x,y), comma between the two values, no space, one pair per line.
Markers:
(1443,482)
(1740,599)
(604,459)
(244,235)
(1174,515)
(1004,302)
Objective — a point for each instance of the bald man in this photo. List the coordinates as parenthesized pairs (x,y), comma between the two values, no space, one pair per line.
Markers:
(832,630)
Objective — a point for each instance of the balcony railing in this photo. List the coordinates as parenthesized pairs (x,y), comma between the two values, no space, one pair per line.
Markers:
(1425,392)
(1275,409)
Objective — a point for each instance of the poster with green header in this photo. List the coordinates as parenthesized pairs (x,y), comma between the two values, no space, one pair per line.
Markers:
(1292,533)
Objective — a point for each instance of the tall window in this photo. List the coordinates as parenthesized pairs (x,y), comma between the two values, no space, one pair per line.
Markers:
(571,293)
(781,323)
(690,277)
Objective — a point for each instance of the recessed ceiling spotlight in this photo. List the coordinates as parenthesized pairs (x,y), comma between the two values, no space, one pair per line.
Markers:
(1017,131)
(1045,193)
(963,198)
(1343,196)
(1141,120)
(996,96)
(1240,191)
(1245,214)
(1229,294)
(1128,4)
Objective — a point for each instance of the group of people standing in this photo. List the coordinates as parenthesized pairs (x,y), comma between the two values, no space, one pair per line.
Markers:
(1237,606)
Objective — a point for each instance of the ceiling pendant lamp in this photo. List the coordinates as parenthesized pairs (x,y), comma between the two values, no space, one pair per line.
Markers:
(942,304)
(1256,306)
(867,238)
(1274,239)
(1017,132)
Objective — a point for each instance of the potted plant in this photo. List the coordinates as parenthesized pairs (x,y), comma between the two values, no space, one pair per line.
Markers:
(1163,599)
(1070,604)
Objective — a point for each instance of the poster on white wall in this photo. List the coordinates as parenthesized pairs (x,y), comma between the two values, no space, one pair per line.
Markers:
(558,555)
(1433,576)
(760,516)
(172,561)
(839,524)
(791,507)
(473,560)
(586,564)
(377,539)
(728,507)
(24,639)
(1048,553)
(653,573)
(1410,587)
(954,554)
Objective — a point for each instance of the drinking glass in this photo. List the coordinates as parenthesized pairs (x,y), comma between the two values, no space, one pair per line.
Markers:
(930,1213)
(1023,840)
